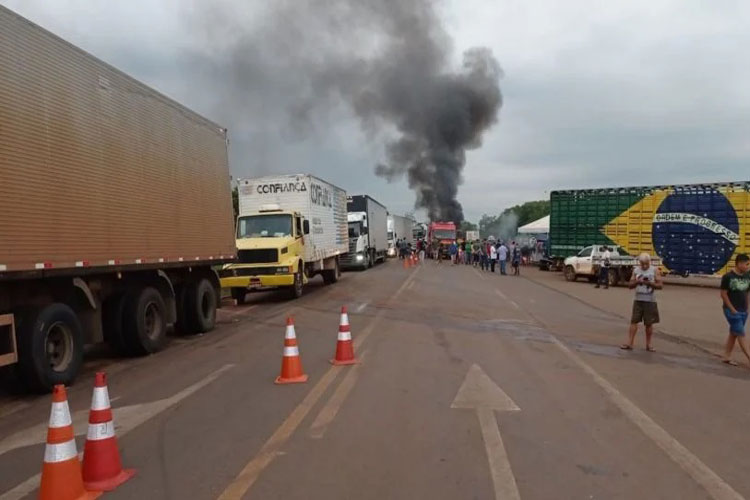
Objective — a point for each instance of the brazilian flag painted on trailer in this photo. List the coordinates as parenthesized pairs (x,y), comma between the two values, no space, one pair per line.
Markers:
(694,229)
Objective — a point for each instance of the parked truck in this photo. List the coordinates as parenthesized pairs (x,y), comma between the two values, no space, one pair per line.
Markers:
(368,232)
(290,228)
(399,228)
(115,203)
(693,228)
(443,234)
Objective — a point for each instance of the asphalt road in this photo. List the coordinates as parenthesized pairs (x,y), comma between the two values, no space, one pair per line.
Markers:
(470,385)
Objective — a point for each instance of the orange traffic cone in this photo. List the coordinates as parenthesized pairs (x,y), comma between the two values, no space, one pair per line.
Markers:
(102,469)
(406,263)
(61,472)
(291,365)
(344,345)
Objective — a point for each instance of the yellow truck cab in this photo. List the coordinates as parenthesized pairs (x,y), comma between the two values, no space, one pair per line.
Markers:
(290,228)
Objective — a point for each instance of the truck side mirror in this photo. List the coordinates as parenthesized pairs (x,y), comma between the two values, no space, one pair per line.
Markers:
(306,226)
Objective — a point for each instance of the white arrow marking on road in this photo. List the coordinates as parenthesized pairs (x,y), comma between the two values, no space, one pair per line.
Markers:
(126,419)
(480,393)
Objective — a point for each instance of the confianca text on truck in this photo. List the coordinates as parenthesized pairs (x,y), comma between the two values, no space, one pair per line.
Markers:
(290,228)
(115,205)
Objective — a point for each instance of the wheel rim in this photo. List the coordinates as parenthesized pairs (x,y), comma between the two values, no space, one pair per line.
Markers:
(152,321)
(59,345)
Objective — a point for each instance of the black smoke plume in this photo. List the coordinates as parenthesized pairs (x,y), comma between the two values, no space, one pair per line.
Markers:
(290,64)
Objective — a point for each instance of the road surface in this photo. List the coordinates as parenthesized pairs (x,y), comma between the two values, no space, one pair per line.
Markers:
(470,386)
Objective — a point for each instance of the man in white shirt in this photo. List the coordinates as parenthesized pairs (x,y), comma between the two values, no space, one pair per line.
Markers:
(605,256)
(493,256)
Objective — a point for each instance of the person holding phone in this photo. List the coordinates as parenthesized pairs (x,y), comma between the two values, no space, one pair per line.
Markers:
(645,280)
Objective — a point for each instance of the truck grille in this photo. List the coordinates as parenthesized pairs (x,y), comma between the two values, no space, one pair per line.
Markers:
(258,256)
(352,245)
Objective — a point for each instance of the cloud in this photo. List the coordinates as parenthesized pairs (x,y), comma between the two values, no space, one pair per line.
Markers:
(595,94)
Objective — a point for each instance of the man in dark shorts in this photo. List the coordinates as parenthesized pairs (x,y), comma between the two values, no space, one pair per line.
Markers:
(735,286)
(645,279)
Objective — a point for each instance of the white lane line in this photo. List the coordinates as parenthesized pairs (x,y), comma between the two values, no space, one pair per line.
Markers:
(514,304)
(502,475)
(501,294)
(700,472)
(333,405)
(242,483)
(362,307)
(126,419)
(410,285)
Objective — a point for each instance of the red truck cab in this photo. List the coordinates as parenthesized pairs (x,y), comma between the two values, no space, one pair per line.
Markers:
(443,232)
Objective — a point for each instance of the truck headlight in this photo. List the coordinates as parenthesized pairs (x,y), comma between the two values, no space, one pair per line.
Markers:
(282,270)
(360,257)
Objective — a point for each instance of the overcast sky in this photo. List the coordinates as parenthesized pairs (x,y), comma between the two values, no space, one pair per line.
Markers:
(595,93)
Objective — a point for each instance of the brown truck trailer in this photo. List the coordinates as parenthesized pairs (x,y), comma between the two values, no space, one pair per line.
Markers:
(115,204)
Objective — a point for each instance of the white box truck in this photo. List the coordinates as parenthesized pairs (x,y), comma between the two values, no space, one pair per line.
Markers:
(399,228)
(368,232)
(290,228)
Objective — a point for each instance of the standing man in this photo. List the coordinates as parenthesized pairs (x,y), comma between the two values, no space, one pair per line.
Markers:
(421,245)
(604,268)
(502,255)
(645,279)
(453,251)
(483,255)
(467,252)
(493,257)
(735,286)
(516,259)
(475,252)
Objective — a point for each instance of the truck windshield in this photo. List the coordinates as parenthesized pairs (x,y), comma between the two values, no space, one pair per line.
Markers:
(444,234)
(265,226)
(355,229)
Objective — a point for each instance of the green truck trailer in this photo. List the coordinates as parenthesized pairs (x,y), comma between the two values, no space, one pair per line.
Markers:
(693,228)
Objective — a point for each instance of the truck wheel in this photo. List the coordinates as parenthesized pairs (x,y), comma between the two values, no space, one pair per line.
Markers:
(240,295)
(570,273)
(50,346)
(200,306)
(144,321)
(331,276)
(112,310)
(613,277)
(295,291)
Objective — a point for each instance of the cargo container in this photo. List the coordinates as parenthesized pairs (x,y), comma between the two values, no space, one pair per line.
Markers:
(115,203)
(693,228)
(290,228)
(368,232)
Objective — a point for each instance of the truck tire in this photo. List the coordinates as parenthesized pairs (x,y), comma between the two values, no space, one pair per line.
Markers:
(50,346)
(570,273)
(240,295)
(200,306)
(145,321)
(295,291)
(331,276)
(112,314)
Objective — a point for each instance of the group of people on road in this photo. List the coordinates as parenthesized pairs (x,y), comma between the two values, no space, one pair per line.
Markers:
(734,293)
(487,255)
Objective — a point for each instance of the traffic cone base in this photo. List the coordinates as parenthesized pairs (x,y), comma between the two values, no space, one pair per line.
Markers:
(111,483)
(292,380)
(352,361)
(57,483)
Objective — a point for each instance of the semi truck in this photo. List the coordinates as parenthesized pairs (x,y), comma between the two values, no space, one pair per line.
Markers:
(443,234)
(115,204)
(692,228)
(290,229)
(399,228)
(368,232)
